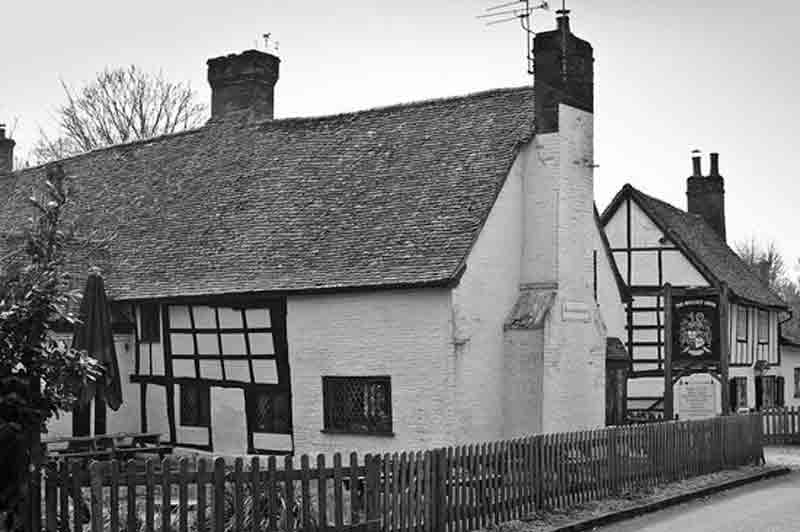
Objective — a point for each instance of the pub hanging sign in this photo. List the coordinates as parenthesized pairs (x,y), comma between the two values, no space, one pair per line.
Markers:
(695,329)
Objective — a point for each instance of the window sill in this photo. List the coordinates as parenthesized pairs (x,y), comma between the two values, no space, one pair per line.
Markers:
(357,433)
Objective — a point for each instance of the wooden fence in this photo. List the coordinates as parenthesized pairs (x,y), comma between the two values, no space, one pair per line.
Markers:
(781,425)
(454,489)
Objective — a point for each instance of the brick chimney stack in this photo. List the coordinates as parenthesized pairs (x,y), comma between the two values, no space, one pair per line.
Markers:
(6,151)
(564,73)
(243,84)
(706,195)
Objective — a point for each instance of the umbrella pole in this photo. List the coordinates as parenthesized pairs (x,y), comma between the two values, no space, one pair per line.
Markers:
(99,414)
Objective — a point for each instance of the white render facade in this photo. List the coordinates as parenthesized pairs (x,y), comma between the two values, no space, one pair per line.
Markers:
(457,372)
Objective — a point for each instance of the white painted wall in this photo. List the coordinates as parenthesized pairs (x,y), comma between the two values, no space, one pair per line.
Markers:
(480,304)
(790,360)
(574,336)
(406,334)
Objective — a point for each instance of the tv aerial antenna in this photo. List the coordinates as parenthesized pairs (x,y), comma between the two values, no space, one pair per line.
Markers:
(517,10)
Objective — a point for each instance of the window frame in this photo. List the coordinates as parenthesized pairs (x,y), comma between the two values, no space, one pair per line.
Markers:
(329,381)
(759,315)
(150,323)
(251,402)
(741,384)
(217,332)
(204,400)
(797,382)
(743,338)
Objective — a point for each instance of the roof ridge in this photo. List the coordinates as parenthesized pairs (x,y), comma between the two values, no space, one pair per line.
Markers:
(211,122)
(393,107)
(710,231)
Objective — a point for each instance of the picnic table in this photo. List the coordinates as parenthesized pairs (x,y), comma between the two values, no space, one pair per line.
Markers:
(107,446)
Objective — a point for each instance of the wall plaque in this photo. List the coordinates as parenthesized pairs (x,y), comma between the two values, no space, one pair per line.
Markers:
(697,397)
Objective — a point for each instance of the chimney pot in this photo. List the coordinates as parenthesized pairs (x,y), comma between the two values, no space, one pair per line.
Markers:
(6,151)
(714,171)
(696,171)
(243,83)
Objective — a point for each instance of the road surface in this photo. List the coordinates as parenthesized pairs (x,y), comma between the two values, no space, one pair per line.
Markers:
(765,506)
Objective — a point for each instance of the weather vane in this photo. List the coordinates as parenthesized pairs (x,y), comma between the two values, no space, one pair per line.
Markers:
(518,10)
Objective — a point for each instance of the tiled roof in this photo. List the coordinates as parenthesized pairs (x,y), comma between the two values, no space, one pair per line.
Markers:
(386,197)
(711,252)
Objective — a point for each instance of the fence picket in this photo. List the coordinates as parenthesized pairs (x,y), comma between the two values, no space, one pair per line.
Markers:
(322,493)
(256,510)
(305,492)
(96,489)
(149,512)
(63,495)
(202,468)
(338,502)
(166,492)
(183,496)
(219,495)
(51,498)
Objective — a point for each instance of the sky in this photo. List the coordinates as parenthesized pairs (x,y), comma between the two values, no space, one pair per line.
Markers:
(670,76)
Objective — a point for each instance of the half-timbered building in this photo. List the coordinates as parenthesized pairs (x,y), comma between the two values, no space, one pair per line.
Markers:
(655,243)
(411,276)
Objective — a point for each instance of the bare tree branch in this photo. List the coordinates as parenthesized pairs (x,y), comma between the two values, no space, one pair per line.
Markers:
(119,105)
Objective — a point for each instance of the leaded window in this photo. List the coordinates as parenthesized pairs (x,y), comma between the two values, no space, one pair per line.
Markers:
(195,405)
(269,411)
(357,404)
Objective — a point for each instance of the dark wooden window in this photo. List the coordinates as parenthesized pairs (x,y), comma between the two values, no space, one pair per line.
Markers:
(269,411)
(780,397)
(763,327)
(357,404)
(738,392)
(151,330)
(797,382)
(741,324)
(195,405)
(769,391)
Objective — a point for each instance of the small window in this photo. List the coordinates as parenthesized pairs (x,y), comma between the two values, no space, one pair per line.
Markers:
(797,382)
(269,411)
(769,391)
(780,398)
(741,324)
(357,404)
(763,327)
(195,405)
(150,332)
(739,392)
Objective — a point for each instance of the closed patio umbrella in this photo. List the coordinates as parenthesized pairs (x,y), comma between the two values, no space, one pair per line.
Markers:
(94,335)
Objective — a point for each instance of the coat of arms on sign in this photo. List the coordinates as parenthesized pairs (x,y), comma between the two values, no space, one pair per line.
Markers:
(695,335)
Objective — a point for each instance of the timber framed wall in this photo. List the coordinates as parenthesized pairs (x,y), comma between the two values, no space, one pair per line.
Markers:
(218,373)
